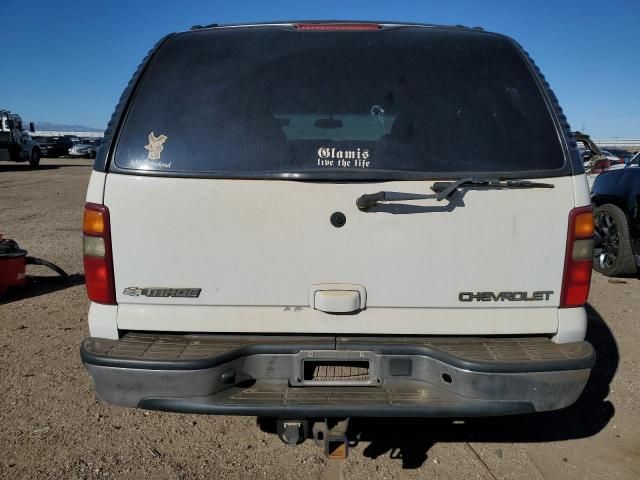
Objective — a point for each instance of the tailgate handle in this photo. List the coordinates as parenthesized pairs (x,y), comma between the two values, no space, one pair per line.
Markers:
(337,297)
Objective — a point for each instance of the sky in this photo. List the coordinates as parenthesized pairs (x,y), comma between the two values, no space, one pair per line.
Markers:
(68,61)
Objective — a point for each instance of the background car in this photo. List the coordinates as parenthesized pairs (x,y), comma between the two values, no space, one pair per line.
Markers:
(85,148)
(624,155)
(615,161)
(616,196)
(54,146)
(595,161)
(45,143)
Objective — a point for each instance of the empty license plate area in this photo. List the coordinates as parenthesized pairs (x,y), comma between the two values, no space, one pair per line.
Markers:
(334,368)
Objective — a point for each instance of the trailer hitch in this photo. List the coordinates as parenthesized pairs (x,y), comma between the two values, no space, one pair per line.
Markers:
(330,434)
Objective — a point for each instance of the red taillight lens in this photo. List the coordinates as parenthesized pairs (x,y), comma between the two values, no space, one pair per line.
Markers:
(337,26)
(99,281)
(601,166)
(578,258)
(98,262)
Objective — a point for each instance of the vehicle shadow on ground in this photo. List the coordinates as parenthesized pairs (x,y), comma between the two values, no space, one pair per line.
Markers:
(42,285)
(22,167)
(410,439)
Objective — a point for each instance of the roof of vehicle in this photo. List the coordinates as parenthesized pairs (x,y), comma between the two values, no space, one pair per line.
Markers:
(382,23)
(332,22)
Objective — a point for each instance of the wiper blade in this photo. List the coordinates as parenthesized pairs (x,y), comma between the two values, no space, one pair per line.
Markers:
(368,200)
(446,189)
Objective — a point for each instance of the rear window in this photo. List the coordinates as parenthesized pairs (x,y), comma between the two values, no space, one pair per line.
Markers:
(398,102)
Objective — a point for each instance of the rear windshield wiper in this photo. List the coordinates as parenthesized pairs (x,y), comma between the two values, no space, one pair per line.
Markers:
(368,200)
(446,189)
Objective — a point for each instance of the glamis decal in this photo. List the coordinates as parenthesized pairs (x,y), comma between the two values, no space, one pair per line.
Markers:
(334,157)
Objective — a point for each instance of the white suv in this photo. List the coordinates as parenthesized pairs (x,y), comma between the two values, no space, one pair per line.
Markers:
(328,220)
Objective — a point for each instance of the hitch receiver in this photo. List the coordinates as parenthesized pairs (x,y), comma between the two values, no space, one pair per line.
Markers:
(331,436)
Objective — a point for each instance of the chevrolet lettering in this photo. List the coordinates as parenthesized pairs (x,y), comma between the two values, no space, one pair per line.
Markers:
(536,296)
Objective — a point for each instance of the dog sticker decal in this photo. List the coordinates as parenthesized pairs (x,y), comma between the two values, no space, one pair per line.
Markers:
(155,146)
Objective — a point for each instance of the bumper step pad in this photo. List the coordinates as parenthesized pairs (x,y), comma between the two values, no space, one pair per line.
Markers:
(153,351)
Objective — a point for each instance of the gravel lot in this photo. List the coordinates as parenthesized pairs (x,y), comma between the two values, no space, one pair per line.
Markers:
(52,426)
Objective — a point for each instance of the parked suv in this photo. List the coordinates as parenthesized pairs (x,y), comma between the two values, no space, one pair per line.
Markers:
(327,220)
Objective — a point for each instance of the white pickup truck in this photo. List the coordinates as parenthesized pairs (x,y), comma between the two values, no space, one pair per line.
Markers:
(16,144)
(325,220)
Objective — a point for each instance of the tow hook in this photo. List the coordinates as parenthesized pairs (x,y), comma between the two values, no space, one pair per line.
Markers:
(329,434)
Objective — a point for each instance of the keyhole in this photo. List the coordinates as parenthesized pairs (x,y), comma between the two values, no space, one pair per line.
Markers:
(338,219)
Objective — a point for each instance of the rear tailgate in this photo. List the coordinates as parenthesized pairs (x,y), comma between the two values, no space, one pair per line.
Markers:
(256,248)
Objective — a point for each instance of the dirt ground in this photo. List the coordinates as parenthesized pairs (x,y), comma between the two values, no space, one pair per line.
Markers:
(52,426)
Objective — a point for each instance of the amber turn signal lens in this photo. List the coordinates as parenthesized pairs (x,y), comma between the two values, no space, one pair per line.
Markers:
(584,225)
(93,222)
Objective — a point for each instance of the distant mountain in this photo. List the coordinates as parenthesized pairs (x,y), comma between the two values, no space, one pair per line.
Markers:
(66,128)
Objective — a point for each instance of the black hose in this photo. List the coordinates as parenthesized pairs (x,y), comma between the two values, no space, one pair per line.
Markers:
(52,266)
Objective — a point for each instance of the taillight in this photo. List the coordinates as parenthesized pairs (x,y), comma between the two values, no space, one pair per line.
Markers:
(601,166)
(337,26)
(96,249)
(578,258)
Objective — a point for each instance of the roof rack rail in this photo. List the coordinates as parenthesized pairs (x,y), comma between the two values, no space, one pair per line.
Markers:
(470,28)
(199,27)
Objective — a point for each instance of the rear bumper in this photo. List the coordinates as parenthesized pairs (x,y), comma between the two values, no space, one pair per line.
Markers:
(407,377)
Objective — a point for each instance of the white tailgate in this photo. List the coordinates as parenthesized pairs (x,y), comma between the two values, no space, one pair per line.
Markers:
(256,247)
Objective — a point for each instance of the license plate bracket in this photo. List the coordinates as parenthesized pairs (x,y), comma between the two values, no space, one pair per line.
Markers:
(334,368)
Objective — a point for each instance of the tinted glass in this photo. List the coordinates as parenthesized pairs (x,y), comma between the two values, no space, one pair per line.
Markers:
(271,101)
